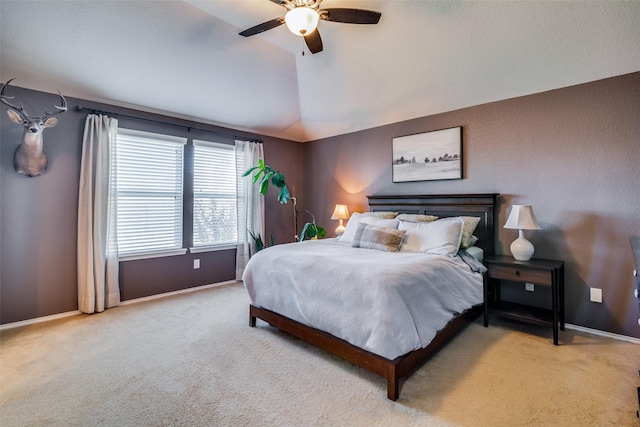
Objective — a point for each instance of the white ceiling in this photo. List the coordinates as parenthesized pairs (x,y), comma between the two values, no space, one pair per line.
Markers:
(424,57)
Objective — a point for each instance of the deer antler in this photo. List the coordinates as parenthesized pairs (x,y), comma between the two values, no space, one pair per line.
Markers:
(61,109)
(3,99)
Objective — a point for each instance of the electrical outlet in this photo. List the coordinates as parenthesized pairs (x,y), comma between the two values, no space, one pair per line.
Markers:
(196,264)
(529,287)
(595,294)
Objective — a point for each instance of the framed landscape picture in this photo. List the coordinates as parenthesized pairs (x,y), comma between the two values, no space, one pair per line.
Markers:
(428,156)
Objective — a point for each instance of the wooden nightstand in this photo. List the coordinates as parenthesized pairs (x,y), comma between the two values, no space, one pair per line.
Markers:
(542,272)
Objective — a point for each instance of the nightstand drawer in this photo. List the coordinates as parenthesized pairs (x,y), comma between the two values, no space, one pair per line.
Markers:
(520,274)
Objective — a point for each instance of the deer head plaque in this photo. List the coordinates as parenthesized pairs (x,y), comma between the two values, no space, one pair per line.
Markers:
(29,158)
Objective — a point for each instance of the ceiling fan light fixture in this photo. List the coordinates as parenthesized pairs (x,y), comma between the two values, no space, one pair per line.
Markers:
(302,21)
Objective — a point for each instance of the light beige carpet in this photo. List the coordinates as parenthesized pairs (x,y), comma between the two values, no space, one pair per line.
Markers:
(192,360)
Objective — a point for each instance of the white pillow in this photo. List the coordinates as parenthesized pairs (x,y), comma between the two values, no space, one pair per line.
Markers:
(357,218)
(441,237)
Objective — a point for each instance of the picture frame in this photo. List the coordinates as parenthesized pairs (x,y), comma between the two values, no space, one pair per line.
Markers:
(428,156)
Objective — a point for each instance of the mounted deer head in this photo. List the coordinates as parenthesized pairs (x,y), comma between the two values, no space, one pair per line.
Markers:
(29,158)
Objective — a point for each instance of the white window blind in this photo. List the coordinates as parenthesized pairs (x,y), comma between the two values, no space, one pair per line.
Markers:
(150,193)
(214,194)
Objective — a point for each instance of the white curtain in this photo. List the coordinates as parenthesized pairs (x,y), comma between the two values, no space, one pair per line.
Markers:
(250,206)
(98,286)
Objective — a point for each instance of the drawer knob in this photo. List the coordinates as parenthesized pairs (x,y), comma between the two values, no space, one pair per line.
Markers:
(517,272)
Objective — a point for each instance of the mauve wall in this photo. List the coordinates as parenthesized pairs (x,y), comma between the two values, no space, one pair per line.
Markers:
(38,216)
(572,153)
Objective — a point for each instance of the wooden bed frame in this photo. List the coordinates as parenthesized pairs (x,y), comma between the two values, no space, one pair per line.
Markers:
(480,205)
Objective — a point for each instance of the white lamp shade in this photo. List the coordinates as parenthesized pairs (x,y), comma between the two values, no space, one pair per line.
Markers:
(340,212)
(522,218)
(301,21)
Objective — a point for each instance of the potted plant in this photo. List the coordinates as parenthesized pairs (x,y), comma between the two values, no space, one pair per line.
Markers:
(311,230)
(258,243)
(265,174)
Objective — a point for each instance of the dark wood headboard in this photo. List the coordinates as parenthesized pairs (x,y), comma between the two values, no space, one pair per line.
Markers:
(446,205)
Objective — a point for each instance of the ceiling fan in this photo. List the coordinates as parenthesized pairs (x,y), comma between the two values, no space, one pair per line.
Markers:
(302,19)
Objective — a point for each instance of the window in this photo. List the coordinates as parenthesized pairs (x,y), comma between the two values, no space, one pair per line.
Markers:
(149,173)
(214,195)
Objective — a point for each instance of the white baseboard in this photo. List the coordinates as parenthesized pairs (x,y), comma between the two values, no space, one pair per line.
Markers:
(229,282)
(39,320)
(602,333)
(128,302)
(181,291)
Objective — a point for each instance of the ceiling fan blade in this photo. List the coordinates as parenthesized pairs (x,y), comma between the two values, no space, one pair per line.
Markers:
(263,27)
(350,16)
(314,41)
(278,2)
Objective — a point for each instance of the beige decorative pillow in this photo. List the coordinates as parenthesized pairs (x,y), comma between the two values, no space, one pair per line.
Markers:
(357,218)
(470,224)
(370,236)
(382,214)
(416,217)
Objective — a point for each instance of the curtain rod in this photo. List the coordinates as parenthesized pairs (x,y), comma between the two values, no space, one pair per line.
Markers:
(189,128)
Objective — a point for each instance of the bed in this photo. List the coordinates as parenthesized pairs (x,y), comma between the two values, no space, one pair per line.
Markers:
(404,306)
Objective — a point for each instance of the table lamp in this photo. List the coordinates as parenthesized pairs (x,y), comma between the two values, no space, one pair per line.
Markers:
(521,218)
(340,212)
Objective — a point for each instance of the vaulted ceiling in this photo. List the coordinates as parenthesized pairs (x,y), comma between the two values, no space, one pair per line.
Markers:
(185,58)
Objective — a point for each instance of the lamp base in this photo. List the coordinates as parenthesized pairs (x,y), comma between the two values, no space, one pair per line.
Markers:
(340,230)
(521,248)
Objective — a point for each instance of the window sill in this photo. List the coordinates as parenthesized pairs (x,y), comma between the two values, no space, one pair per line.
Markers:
(223,247)
(134,257)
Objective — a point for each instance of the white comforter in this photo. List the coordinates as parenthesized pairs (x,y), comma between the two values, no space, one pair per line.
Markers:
(386,303)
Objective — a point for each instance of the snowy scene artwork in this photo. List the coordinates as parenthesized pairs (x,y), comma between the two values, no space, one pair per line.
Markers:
(428,156)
